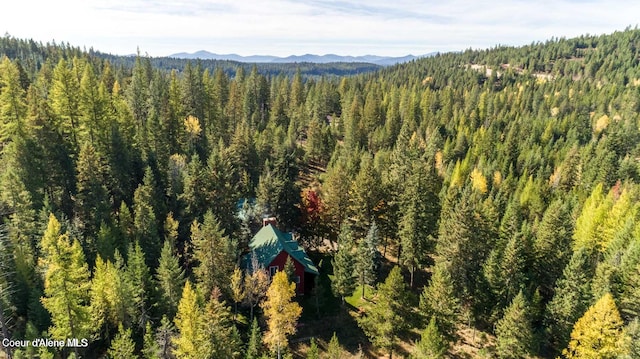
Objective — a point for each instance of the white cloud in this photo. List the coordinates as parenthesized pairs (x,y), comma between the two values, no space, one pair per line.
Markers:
(284,27)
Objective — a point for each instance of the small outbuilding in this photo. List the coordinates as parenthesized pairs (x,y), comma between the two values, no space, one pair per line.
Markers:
(272,248)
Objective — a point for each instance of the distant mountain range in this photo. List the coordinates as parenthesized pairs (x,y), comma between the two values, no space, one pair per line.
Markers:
(319,59)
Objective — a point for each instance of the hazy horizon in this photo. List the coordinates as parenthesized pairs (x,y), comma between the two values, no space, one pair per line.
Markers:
(287,27)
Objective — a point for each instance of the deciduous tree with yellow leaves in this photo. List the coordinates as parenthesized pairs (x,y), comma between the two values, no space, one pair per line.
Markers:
(599,333)
(192,342)
(282,314)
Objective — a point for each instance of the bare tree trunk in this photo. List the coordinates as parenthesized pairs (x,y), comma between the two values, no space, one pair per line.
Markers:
(384,251)
(413,269)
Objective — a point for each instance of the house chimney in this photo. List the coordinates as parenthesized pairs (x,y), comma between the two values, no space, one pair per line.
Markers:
(269,220)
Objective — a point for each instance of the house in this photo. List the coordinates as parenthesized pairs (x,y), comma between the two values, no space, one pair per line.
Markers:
(272,247)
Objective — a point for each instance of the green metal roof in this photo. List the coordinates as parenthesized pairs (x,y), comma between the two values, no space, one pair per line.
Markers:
(269,242)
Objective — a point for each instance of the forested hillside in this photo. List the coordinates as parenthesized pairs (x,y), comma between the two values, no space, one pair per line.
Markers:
(33,54)
(482,203)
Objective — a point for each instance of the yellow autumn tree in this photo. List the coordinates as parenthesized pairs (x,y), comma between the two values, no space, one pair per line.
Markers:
(191,343)
(238,292)
(193,130)
(282,314)
(589,224)
(478,181)
(599,333)
(192,126)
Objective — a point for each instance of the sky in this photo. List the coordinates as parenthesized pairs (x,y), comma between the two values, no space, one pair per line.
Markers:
(296,27)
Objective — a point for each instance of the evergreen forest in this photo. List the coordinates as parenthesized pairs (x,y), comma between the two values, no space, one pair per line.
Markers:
(478,204)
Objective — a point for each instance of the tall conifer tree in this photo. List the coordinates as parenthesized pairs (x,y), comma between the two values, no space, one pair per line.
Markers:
(438,301)
(344,281)
(514,333)
(214,253)
(67,283)
(387,317)
(367,258)
(170,278)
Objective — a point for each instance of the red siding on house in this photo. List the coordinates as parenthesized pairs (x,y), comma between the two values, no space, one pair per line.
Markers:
(280,261)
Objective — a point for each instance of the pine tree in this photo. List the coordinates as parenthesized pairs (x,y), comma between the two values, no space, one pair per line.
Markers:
(110,293)
(194,185)
(170,278)
(220,329)
(511,220)
(514,333)
(268,191)
(334,350)
(65,97)
(122,346)
(214,253)
(125,223)
(150,348)
(108,241)
(629,273)
(420,209)
(7,268)
(313,352)
(282,314)
(22,284)
(588,228)
(552,244)
(513,265)
(138,96)
(254,345)
(335,189)
(92,200)
(144,219)
(223,187)
(67,283)
(462,243)
(432,343)
(318,293)
(599,333)
(191,342)
(388,314)
(439,302)
(13,107)
(344,282)
(571,299)
(93,107)
(632,331)
(277,192)
(364,202)
(139,282)
(367,258)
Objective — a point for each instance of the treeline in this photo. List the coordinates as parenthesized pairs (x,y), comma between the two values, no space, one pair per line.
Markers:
(515,188)
(32,55)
